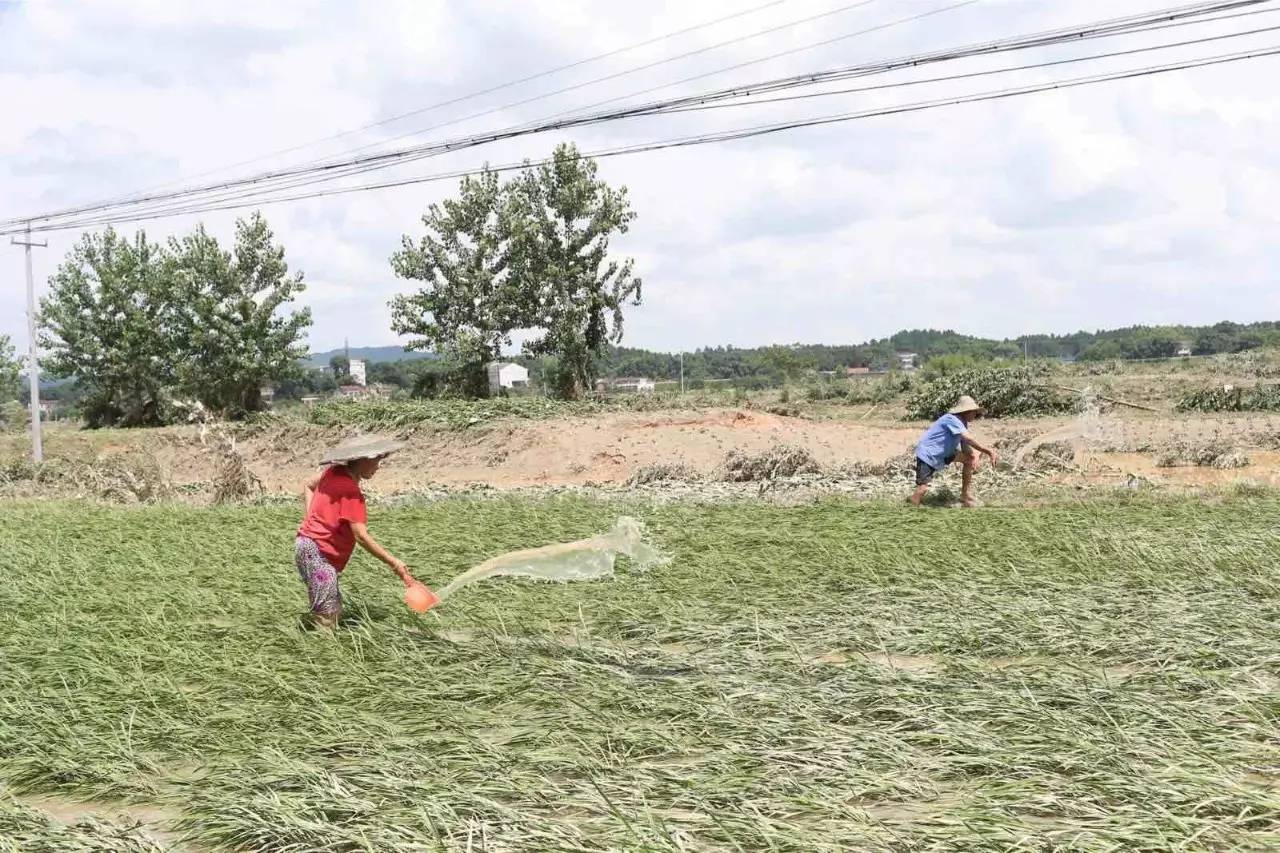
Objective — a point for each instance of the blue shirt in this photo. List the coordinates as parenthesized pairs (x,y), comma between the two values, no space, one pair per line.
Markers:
(941,441)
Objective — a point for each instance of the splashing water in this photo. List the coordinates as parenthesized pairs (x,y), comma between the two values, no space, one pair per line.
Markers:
(1090,420)
(586,559)
(1085,429)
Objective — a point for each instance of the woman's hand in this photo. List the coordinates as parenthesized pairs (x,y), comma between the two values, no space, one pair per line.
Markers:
(402,571)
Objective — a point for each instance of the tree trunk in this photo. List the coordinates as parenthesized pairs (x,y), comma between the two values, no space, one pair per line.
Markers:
(251,399)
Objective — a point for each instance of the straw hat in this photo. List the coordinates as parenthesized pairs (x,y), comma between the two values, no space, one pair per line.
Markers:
(966,404)
(361,447)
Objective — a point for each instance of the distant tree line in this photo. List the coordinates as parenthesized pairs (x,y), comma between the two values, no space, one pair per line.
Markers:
(939,352)
(773,365)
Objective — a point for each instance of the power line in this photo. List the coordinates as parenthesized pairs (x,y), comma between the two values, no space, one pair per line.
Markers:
(274,182)
(326,163)
(972,74)
(824,43)
(479,93)
(258,192)
(1131,25)
(606,78)
(730,135)
(357,167)
(147,195)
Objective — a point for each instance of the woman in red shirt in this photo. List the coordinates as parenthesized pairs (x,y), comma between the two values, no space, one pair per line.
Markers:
(336,520)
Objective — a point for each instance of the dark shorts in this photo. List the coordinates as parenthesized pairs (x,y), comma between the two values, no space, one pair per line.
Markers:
(925,472)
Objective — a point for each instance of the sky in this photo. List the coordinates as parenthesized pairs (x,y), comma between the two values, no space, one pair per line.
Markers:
(1144,201)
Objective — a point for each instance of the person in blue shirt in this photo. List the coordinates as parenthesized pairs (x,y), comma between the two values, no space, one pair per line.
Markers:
(945,441)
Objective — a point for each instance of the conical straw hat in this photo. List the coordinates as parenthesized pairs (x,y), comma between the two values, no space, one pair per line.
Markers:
(361,447)
(966,404)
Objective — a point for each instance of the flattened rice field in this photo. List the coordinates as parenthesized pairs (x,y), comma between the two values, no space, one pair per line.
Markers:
(1101,676)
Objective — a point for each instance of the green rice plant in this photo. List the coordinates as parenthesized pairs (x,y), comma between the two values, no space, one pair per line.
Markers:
(447,414)
(826,677)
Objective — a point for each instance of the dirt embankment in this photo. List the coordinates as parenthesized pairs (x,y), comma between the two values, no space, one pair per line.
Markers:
(602,449)
(610,448)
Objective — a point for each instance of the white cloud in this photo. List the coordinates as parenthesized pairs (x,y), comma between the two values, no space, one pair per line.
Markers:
(1149,200)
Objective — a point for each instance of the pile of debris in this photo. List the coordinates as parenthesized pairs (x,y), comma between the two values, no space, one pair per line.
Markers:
(118,477)
(663,472)
(776,463)
(1214,454)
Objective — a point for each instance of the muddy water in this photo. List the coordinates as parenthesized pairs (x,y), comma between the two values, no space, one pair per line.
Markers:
(1098,466)
(157,822)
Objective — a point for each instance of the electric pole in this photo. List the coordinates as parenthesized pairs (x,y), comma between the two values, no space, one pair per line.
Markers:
(681,374)
(33,363)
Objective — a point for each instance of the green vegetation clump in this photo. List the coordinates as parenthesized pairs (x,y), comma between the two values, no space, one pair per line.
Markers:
(399,415)
(859,392)
(373,415)
(450,414)
(13,416)
(1002,391)
(1228,398)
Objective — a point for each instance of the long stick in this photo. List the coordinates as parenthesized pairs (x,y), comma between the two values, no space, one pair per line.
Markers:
(1115,400)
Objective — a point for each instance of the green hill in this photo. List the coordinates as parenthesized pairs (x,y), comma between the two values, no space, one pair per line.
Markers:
(370,354)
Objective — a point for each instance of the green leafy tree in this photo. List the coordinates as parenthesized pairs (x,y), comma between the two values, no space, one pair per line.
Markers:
(944,365)
(340,366)
(230,331)
(8,370)
(468,304)
(786,362)
(529,254)
(562,217)
(104,323)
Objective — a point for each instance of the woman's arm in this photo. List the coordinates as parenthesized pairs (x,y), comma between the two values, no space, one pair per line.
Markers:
(371,545)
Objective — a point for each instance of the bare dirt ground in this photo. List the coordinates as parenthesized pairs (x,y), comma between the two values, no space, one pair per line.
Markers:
(609,449)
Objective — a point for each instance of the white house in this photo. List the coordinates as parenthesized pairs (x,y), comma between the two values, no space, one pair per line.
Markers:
(506,374)
(357,371)
(906,361)
(634,384)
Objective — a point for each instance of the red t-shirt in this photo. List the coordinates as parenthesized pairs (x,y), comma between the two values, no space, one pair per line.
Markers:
(336,504)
